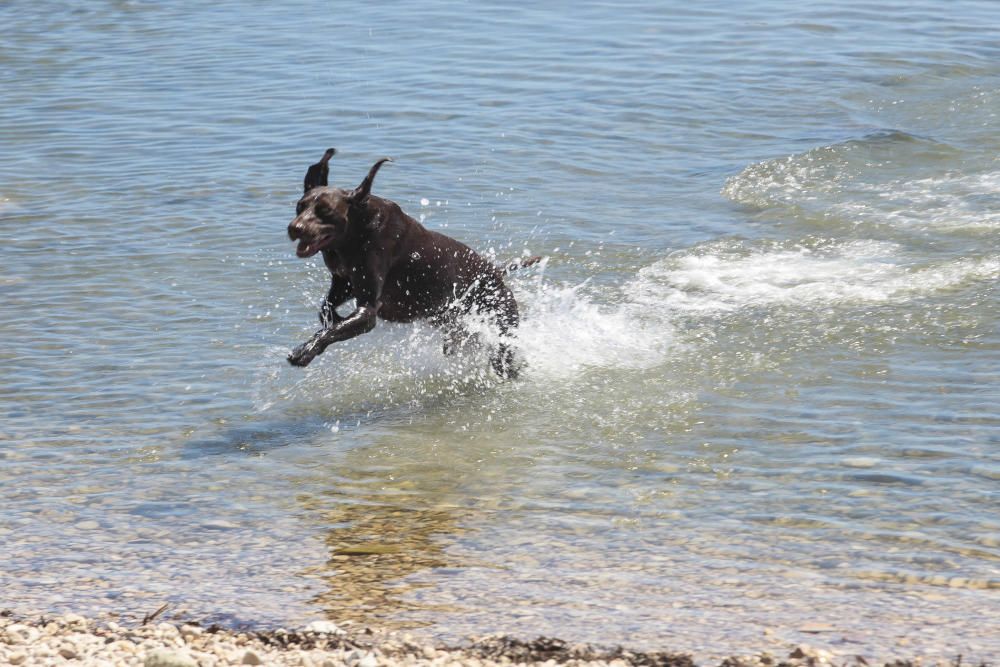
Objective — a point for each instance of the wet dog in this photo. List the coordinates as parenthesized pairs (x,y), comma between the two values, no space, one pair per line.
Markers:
(395,269)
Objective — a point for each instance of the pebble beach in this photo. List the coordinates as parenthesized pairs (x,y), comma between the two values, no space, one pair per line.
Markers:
(71,639)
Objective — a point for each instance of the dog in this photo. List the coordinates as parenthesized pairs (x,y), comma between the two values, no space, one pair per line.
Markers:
(395,269)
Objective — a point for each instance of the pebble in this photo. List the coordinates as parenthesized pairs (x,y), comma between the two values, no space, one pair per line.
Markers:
(161,657)
(74,619)
(187,631)
(21,634)
(324,627)
(160,646)
(251,658)
(167,630)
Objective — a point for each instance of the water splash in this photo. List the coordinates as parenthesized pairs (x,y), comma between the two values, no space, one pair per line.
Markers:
(578,340)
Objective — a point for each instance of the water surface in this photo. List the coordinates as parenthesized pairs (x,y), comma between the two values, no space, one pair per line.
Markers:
(763,355)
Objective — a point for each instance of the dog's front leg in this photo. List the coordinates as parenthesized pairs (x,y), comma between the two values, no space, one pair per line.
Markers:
(340,291)
(360,321)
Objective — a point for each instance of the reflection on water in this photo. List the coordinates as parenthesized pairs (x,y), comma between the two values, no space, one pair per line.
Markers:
(374,548)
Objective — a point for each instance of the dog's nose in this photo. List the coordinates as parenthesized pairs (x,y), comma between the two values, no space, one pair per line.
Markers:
(294,230)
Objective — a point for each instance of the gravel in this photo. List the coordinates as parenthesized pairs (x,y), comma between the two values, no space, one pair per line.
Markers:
(71,639)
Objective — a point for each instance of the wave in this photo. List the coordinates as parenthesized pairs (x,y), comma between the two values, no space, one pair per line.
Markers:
(732,275)
(889,178)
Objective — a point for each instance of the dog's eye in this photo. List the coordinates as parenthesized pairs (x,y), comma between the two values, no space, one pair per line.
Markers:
(299,208)
(323,211)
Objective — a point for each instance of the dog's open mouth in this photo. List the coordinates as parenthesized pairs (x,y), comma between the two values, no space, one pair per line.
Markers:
(309,248)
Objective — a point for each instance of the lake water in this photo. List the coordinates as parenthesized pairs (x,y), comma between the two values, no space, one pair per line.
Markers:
(763,354)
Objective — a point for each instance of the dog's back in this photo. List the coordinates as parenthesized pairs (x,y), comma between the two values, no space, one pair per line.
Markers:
(428,271)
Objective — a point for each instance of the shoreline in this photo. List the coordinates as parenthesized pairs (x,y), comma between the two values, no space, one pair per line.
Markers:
(72,639)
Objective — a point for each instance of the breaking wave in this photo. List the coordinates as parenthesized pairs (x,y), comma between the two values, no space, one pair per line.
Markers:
(893,179)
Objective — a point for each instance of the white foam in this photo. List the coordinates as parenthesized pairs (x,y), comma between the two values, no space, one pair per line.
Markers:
(948,202)
(860,181)
(795,179)
(727,277)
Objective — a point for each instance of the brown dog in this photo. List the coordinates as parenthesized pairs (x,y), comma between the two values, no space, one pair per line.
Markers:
(395,269)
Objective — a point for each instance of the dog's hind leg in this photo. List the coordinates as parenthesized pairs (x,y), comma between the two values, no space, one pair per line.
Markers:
(455,335)
(505,313)
(503,362)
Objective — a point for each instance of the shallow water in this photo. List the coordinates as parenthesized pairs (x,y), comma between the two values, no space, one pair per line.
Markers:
(762,355)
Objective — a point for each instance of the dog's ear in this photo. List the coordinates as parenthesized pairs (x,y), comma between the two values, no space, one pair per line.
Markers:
(360,193)
(317,175)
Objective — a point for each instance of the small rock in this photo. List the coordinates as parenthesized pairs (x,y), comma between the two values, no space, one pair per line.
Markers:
(17,657)
(191,631)
(21,634)
(161,657)
(68,652)
(166,630)
(123,645)
(430,652)
(324,627)
(74,619)
(251,658)
(368,661)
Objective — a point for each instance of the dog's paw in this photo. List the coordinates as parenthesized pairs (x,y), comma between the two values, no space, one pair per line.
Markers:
(302,355)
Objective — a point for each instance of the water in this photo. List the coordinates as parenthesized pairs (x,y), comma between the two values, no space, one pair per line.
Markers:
(763,369)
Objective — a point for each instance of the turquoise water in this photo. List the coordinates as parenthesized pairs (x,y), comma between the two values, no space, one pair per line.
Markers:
(763,353)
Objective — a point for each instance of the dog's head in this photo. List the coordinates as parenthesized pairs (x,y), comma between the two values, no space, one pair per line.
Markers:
(324,214)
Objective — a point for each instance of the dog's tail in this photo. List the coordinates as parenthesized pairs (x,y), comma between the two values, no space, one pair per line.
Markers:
(510,267)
